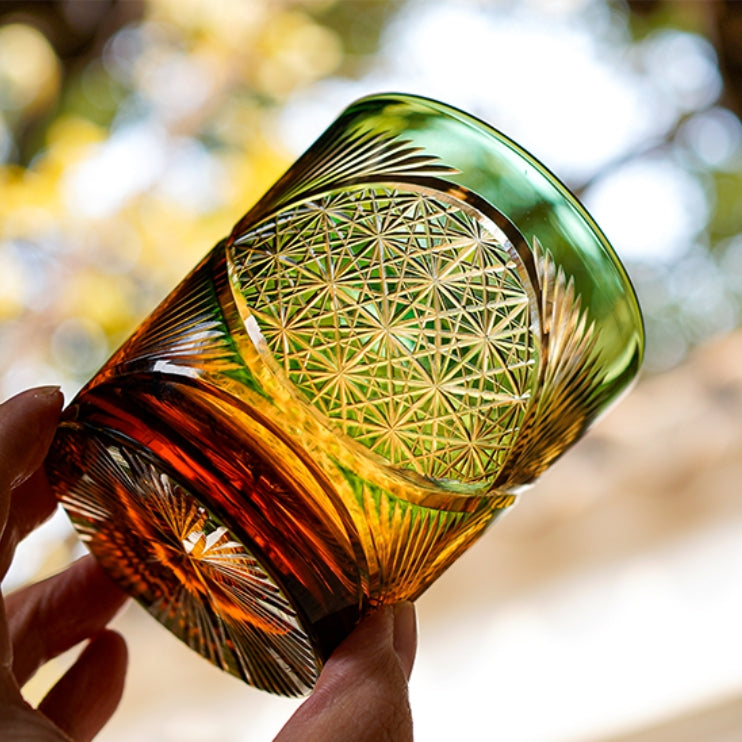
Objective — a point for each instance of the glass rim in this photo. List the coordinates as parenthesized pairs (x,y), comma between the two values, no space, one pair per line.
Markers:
(554,181)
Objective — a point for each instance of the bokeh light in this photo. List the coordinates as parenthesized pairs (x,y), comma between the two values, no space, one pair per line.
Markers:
(29,69)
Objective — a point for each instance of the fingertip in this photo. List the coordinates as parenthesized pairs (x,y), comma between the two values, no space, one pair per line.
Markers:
(389,631)
(372,637)
(87,695)
(362,691)
(367,653)
(27,425)
(114,652)
(51,395)
(37,401)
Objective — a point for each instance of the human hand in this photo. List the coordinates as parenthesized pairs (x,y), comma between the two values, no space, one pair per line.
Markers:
(43,620)
(361,694)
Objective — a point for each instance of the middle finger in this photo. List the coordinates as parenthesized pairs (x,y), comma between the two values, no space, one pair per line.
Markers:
(49,617)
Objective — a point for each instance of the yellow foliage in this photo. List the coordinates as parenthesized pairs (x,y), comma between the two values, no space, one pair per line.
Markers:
(295,51)
(229,23)
(29,69)
(11,288)
(201,78)
(98,297)
(69,137)
(30,202)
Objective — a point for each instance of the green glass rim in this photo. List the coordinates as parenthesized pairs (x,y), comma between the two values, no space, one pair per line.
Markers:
(519,185)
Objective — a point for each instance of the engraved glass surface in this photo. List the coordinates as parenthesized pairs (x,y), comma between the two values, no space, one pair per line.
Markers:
(409,327)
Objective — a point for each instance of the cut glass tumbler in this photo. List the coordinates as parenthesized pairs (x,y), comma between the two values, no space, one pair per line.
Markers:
(409,327)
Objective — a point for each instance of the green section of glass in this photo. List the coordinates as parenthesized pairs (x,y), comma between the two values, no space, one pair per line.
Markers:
(534,200)
(403,319)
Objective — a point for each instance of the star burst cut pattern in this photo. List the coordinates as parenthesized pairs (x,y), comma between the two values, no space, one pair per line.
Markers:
(402,314)
(189,570)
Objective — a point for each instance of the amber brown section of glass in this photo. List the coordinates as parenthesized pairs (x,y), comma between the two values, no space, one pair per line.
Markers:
(406,330)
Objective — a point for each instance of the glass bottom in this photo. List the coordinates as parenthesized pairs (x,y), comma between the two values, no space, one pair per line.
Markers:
(189,569)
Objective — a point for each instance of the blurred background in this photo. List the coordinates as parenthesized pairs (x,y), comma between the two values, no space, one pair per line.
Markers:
(607,605)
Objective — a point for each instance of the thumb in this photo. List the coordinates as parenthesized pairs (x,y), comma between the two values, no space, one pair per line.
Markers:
(362,694)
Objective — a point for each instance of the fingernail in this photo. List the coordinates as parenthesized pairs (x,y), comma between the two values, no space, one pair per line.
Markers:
(46,392)
(405,635)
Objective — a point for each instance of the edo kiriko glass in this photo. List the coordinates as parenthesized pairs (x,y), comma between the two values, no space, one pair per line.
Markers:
(409,327)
